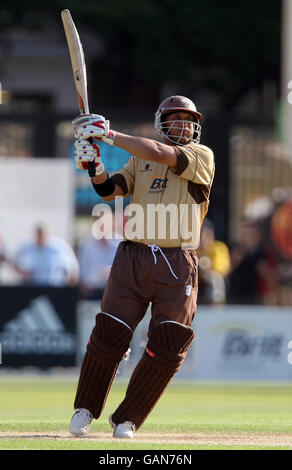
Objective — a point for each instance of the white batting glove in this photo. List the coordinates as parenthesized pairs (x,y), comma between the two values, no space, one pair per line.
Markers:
(86,119)
(93,125)
(86,152)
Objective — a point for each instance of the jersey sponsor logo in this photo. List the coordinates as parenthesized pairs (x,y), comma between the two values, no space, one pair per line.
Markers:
(159,183)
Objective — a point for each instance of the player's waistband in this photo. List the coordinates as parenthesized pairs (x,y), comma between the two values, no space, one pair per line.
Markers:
(166,250)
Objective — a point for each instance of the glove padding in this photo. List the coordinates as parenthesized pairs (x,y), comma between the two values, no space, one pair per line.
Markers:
(87,126)
(86,152)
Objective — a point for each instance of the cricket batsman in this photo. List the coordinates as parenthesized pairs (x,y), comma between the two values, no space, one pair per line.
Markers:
(160,267)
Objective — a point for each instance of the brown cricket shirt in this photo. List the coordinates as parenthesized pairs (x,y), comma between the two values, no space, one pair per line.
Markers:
(168,205)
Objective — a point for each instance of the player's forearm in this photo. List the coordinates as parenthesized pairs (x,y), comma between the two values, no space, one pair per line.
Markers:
(99,179)
(147,149)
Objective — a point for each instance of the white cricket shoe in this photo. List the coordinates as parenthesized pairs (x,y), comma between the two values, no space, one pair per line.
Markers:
(123,430)
(80,422)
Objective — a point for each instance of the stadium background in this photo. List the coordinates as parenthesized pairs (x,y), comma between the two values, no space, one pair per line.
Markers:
(235,61)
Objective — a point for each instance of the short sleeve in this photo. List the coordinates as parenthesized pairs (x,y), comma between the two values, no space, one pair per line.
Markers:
(195,163)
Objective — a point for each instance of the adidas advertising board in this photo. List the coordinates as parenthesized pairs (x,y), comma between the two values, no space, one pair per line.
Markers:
(38,326)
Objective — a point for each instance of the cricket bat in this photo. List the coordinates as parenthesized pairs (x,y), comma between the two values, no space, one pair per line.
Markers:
(79,68)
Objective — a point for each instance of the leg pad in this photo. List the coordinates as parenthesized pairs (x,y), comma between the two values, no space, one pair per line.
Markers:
(106,348)
(168,344)
(109,340)
(164,354)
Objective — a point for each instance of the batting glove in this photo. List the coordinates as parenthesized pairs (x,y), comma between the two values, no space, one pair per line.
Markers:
(86,152)
(93,125)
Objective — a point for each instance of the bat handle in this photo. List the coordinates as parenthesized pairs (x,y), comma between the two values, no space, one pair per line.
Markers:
(91,169)
(91,165)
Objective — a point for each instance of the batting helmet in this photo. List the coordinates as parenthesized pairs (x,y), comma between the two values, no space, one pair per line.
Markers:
(171,105)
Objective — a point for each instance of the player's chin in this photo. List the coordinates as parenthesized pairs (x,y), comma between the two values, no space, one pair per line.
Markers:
(179,139)
(184,139)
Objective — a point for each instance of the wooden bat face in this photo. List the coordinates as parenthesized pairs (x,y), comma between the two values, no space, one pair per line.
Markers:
(77,61)
(79,70)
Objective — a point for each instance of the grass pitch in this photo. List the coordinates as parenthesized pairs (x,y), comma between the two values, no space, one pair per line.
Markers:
(35,412)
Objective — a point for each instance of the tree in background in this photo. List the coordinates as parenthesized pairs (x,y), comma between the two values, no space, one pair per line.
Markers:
(221,49)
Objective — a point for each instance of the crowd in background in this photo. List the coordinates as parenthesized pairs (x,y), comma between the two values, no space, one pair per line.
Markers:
(248,272)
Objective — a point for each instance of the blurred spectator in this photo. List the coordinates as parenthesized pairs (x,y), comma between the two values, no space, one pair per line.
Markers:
(214,266)
(47,261)
(95,258)
(215,250)
(2,252)
(8,269)
(253,278)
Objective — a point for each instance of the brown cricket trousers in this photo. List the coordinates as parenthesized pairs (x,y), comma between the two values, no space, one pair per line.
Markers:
(140,274)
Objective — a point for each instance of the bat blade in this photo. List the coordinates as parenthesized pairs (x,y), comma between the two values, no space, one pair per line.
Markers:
(79,69)
(77,61)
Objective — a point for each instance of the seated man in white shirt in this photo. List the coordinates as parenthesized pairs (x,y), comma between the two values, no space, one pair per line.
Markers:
(47,261)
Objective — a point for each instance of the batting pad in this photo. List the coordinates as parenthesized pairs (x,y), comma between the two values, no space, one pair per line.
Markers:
(107,346)
(168,344)
(163,356)
(109,340)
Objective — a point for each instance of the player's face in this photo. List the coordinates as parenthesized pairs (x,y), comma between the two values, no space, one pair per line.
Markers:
(180,126)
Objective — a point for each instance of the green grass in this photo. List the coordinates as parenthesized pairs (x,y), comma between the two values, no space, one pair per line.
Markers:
(44,404)
(47,444)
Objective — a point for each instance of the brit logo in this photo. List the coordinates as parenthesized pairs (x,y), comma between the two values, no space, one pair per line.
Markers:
(159,183)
